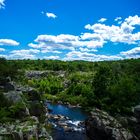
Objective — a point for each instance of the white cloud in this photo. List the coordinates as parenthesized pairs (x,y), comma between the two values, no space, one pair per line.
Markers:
(52,57)
(8,42)
(51,15)
(118,19)
(133,53)
(3,56)
(67,42)
(25,51)
(23,54)
(84,45)
(117,34)
(55,43)
(2,49)
(2,4)
(62,38)
(77,55)
(87,50)
(102,20)
(133,20)
(49,51)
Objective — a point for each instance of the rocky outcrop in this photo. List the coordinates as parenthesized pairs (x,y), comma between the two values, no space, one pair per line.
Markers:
(30,129)
(137,113)
(39,74)
(137,121)
(14,96)
(27,110)
(102,126)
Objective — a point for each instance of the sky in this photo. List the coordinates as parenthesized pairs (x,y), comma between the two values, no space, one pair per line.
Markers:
(91,30)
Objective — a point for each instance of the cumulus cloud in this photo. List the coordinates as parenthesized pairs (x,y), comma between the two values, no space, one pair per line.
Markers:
(52,57)
(8,42)
(50,51)
(102,20)
(23,54)
(133,53)
(133,20)
(77,55)
(2,49)
(84,46)
(87,50)
(26,51)
(51,15)
(52,43)
(117,34)
(118,20)
(2,4)
(3,56)
(55,43)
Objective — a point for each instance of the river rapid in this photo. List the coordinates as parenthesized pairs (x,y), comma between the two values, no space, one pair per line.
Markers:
(67,122)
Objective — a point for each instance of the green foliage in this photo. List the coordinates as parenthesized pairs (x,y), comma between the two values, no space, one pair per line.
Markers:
(4,102)
(16,108)
(112,86)
(51,85)
(7,69)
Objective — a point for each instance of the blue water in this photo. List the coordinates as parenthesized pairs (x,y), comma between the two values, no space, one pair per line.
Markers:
(75,114)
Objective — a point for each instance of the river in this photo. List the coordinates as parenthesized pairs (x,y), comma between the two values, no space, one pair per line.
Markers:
(70,125)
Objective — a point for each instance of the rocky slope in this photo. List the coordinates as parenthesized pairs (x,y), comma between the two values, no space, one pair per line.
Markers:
(102,126)
(29,113)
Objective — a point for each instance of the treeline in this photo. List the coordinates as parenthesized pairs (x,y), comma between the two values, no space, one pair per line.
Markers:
(109,85)
(55,65)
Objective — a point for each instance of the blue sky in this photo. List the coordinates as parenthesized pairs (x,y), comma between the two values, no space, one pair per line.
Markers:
(92,30)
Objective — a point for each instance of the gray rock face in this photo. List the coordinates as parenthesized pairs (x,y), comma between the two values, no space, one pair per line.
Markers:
(102,126)
(14,96)
(40,74)
(28,109)
(7,86)
(137,124)
(137,113)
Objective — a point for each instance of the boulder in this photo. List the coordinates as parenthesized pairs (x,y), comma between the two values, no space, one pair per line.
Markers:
(68,129)
(33,95)
(14,96)
(137,113)
(136,127)
(9,86)
(102,126)
(36,109)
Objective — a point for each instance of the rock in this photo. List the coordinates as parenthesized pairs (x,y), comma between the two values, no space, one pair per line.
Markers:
(102,126)
(134,122)
(33,95)
(17,136)
(9,86)
(36,108)
(58,117)
(62,124)
(137,112)
(49,110)
(60,102)
(35,119)
(67,128)
(14,96)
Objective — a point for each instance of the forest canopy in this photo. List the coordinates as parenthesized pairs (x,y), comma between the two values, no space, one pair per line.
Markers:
(109,85)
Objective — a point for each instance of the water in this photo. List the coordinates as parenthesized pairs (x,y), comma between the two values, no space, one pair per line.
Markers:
(75,115)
